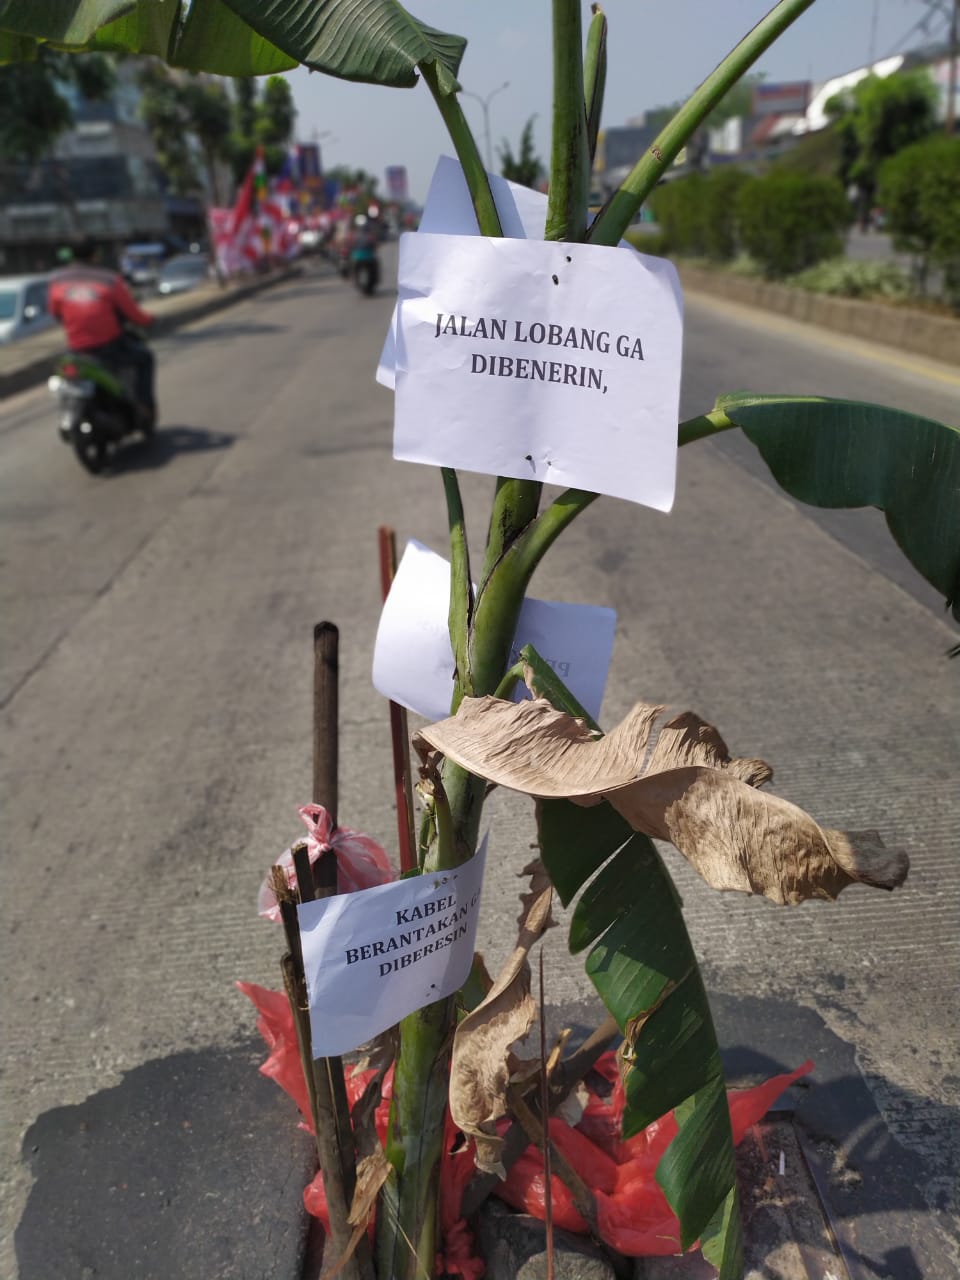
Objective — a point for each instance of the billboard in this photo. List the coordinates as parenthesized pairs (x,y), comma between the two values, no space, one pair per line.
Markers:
(311,166)
(397,184)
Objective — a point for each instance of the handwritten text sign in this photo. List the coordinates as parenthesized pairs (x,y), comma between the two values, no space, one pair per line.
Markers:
(374,956)
(539,360)
(413,659)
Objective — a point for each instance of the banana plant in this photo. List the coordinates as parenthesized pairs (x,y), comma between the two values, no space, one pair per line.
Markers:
(823,452)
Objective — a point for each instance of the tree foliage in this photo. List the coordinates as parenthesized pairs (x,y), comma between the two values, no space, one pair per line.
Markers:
(276,113)
(789,221)
(876,119)
(919,189)
(261,119)
(353,179)
(34,108)
(182,114)
(698,213)
(525,167)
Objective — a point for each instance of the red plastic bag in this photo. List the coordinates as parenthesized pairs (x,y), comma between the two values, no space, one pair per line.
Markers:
(275,1024)
(633,1214)
(361,862)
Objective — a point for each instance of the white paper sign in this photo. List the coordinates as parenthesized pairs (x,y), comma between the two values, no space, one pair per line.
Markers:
(372,957)
(448,210)
(413,660)
(539,360)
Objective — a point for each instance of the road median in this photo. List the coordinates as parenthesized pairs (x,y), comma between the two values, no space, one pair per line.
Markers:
(25,364)
(905,328)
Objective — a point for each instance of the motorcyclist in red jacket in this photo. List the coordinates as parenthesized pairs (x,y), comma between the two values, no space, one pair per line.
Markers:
(93,304)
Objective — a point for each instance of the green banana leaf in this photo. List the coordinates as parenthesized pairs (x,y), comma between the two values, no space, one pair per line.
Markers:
(846,453)
(375,41)
(62,22)
(643,967)
(146,28)
(210,38)
(216,39)
(14,48)
(371,40)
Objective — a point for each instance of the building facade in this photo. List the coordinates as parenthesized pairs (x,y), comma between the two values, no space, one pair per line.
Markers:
(101,180)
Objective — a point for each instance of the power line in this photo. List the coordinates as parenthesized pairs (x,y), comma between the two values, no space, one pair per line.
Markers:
(935,9)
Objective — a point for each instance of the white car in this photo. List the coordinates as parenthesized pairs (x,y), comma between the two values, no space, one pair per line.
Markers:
(23,307)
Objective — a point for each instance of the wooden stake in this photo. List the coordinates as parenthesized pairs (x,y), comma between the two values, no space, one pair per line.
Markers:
(335,1145)
(545,1113)
(326,717)
(399,738)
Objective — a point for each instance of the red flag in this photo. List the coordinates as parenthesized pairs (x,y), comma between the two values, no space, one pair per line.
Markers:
(249,189)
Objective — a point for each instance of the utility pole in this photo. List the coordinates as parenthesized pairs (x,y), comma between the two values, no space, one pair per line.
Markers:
(485,104)
(873,35)
(949,9)
(952,55)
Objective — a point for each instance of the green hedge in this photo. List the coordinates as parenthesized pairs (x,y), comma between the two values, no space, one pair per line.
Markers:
(789,221)
(697,214)
(785,221)
(919,190)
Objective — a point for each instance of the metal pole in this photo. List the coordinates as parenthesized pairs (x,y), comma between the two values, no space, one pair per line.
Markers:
(952,68)
(485,104)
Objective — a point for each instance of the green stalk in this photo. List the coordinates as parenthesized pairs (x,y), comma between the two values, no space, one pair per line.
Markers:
(540,536)
(595,77)
(569,160)
(515,504)
(506,576)
(621,208)
(407,1225)
(468,153)
(509,682)
(707,424)
(461,586)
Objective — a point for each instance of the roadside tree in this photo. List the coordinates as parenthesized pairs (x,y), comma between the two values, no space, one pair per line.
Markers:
(185,114)
(875,120)
(919,190)
(34,108)
(525,167)
(789,221)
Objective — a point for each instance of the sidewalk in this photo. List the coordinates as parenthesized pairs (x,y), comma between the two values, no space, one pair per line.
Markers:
(23,364)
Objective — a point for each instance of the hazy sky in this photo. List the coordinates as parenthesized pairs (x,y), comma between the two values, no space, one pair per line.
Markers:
(658,51)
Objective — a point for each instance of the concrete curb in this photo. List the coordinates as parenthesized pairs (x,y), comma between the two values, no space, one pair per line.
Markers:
(936,337)
(39,365)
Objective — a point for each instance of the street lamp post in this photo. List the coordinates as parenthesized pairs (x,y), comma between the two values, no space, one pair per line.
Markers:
(485,103)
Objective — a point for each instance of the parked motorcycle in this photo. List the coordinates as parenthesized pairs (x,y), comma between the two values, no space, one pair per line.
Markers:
(97,408)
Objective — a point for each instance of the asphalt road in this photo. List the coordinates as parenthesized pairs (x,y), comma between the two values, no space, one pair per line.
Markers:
(155,690)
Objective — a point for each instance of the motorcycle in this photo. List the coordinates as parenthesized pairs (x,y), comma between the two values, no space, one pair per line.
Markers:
(98,408)
(366,268)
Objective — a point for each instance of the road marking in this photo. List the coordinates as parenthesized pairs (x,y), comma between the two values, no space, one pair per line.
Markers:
(755,318)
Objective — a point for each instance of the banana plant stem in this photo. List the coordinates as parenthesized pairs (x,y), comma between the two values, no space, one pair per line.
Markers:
(707,424)
(460,612)
(595,76)
(537,539)
(468,153)
(569,160)
(620,209)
